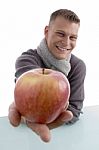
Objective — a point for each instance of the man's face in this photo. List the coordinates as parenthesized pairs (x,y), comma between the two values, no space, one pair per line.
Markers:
(61,36)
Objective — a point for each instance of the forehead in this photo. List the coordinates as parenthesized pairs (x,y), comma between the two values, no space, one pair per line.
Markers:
(62,24)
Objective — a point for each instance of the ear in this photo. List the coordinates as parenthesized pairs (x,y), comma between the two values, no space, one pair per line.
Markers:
(46,31)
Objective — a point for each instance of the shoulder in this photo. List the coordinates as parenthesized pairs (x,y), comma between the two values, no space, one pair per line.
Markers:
(75,61)
(78,66)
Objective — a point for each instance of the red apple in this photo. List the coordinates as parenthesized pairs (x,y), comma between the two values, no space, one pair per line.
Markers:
(41,94)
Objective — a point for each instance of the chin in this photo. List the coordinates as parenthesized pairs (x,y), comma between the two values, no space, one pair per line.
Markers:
(60,56)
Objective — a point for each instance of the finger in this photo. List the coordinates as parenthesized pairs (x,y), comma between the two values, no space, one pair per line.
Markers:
(65,108)
(67,105)
(40,129)
(13,115)
(63,118)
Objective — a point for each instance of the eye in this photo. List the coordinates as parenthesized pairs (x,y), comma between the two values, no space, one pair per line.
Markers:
(73,38)
(60,34)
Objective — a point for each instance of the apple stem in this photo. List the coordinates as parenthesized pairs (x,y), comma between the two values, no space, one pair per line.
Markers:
(43,70)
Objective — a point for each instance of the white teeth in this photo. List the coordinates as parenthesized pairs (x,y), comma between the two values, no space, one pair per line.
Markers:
(62,49)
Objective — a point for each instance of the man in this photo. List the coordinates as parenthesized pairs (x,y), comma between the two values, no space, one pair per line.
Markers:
(55,52)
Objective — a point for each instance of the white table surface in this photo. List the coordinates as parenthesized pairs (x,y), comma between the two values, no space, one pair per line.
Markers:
(83,135)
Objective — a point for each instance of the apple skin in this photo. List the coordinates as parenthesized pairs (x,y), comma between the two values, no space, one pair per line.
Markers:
(41,94)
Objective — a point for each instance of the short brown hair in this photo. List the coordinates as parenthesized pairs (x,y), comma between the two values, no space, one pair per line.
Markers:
(67,14)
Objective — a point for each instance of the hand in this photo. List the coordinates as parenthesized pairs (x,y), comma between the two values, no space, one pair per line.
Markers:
(43,130)
(64,117)
(13,115)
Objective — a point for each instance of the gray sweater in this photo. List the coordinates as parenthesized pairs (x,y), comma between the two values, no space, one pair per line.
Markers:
(30,60)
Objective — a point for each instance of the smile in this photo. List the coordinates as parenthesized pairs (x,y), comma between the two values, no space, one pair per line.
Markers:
(61,48)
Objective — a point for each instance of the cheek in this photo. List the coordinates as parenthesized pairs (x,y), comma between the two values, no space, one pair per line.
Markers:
(50,40)
(73,44)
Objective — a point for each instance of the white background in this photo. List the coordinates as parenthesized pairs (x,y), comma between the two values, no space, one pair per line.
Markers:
(21,27)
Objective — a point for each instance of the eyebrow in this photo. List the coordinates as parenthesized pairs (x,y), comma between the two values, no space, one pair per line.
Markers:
(60,31)
(65,33)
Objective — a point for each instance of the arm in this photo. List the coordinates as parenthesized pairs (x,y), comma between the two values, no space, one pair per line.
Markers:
(27,61)
(76,79)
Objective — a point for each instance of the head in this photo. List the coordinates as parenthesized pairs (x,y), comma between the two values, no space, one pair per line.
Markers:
(62,32)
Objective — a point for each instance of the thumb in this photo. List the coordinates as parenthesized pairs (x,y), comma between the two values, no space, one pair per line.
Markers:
(66,116)
(13,115)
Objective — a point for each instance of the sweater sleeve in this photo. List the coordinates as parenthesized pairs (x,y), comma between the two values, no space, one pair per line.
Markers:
(27,61)
(77,90)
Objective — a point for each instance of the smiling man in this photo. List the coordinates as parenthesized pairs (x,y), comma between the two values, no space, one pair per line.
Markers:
(61,36)
(55,52)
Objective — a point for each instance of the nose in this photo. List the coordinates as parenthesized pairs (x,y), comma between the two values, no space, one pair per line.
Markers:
(66,41)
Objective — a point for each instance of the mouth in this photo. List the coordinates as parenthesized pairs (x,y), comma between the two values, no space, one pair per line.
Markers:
(62,48)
